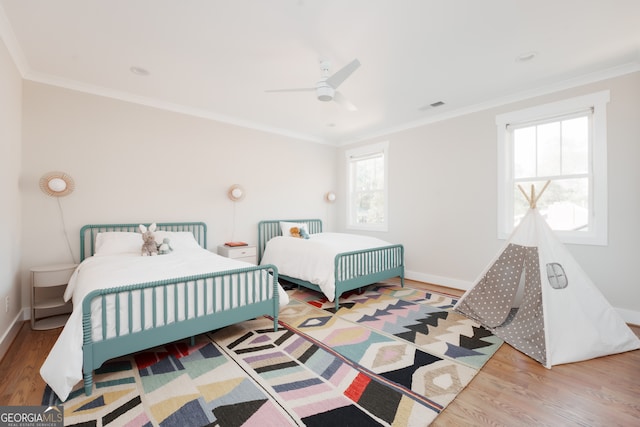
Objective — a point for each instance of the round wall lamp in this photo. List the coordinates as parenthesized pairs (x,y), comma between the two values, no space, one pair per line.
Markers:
(330,197)
(57,184)
(236,193)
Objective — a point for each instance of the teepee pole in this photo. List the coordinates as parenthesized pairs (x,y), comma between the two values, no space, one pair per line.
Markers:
(533,199)
(541,192)
(526,196)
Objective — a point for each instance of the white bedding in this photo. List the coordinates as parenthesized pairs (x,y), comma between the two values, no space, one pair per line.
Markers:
(313,259)
(63,367)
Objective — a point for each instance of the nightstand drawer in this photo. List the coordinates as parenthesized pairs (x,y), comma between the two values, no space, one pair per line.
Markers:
(241,253)
(237,252)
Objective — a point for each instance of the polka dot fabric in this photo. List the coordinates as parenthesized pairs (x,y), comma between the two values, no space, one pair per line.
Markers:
(491,301)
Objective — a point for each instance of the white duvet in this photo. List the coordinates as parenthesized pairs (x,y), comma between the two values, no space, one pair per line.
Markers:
(313,259)
(63,367)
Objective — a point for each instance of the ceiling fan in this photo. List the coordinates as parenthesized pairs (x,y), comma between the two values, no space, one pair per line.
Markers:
(326,88)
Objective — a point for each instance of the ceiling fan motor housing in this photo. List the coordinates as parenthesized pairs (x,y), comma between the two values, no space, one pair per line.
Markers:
(324,92)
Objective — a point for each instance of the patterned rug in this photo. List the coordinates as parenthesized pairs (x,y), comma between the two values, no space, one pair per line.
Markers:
(388,356)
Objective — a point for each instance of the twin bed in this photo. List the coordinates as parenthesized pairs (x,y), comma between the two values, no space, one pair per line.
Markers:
(125,302)
(331,263)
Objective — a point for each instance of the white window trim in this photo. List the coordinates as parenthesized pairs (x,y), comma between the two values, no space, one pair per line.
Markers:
(599,204)
(361,152)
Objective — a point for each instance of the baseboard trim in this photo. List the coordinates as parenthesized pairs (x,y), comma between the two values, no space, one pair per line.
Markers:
(630,316)
(438,280)
(11,334)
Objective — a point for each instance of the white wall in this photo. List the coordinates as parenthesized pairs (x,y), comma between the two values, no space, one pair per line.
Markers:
(10,125)
(443,196)
(134,163)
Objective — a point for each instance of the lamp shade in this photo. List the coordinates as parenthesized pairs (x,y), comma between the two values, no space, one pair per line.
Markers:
(57,184)
(236,193)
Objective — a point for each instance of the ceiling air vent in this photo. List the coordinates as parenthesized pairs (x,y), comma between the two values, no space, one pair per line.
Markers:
(432,105)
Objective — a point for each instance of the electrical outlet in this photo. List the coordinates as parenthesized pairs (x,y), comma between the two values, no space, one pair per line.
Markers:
(6,304)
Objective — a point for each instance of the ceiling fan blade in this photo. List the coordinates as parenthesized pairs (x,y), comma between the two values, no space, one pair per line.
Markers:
(340,99)
(302,89)
(341,75)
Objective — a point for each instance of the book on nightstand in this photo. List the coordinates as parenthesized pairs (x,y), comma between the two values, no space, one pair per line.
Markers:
(234,244)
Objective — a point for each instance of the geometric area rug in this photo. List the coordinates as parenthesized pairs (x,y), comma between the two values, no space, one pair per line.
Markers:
(388,356)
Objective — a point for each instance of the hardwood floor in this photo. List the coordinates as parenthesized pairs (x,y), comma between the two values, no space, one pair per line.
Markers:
(510,390)
(20,368)
(514,390)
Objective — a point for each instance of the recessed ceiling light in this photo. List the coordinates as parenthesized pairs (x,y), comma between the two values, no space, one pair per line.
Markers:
(528,56)
(139,71)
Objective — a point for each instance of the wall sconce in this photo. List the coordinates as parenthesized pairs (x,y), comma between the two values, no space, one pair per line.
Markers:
(330,197)
(236,193)
(57,184)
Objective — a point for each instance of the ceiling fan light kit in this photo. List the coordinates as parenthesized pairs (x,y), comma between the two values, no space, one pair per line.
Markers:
(325,92)
(326,88)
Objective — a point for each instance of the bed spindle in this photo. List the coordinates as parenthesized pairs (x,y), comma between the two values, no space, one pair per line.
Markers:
(117,297)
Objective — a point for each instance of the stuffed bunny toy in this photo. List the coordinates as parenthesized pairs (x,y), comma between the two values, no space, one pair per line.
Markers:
(149,247)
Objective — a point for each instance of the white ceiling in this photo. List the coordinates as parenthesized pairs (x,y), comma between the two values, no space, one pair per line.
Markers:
(216,58)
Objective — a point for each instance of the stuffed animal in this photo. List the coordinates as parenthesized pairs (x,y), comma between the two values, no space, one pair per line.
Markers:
(299,232)
(165,246)
(149,247)
(294,231)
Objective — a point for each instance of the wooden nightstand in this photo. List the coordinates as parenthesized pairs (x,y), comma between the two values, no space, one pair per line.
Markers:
(241,253)
(48,308)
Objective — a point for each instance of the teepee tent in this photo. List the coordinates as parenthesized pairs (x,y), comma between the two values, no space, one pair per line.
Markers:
(535,297)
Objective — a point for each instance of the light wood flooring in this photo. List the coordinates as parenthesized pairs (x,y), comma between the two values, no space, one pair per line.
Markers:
(510,390)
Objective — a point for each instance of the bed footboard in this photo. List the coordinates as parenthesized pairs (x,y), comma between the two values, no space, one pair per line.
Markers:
(364,267)
(137,317)
(353,270)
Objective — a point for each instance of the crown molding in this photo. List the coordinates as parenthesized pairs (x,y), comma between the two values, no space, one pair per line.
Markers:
(11,42)
(15,51)
(163,105)
(594,77)
(8,36)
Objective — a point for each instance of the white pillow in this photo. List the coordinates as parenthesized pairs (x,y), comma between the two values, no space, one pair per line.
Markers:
(285,227)
(118,242)
(178,239)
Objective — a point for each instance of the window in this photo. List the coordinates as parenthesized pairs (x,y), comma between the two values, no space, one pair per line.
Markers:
(566,143)
(367,187)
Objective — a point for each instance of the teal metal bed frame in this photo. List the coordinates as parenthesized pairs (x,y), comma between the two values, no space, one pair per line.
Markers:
(352,270)
(203,290)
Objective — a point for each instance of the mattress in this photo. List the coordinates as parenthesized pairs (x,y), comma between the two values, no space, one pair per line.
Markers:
(312,259)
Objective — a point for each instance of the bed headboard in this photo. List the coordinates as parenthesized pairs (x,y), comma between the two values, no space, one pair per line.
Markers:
(271,228)
(89,232)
